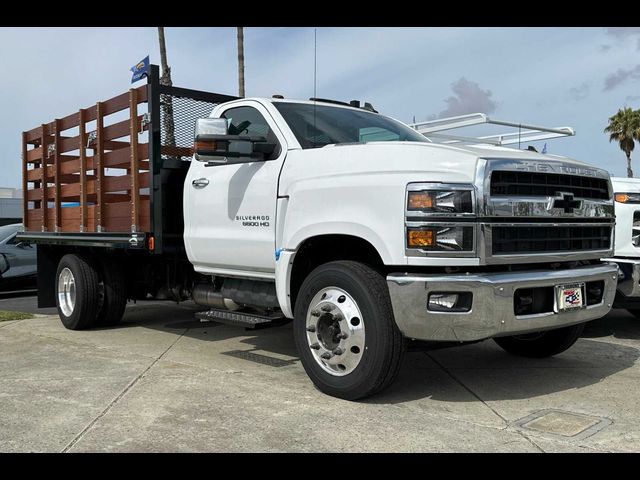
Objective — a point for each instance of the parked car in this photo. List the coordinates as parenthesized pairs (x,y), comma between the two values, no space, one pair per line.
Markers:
(21,258)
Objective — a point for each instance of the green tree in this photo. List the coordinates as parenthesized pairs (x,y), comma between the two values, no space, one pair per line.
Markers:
(624,128)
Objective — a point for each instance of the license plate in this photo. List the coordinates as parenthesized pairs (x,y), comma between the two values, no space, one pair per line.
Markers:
(570,296)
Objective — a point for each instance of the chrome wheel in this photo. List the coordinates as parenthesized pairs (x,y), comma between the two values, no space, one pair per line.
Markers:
(335,331)
(66,292)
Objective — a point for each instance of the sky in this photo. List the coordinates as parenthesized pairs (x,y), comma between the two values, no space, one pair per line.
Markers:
(571,76)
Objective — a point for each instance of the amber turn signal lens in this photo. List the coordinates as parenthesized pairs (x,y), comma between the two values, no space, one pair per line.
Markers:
(420,201)
(152,243)
(206,146)
(421,238)
(622,197)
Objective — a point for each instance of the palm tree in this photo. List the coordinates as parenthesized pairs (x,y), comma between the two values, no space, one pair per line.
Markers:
(240,61)
(624,128)
(166,102)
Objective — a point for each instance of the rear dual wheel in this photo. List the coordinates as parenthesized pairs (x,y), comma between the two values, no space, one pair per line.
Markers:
(89,292)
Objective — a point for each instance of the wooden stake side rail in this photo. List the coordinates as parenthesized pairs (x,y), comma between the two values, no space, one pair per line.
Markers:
(104,171)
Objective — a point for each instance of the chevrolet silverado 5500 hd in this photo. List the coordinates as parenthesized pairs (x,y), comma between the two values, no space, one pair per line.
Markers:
(360,229)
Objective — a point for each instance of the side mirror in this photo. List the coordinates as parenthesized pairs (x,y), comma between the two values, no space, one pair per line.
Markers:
(4,263)
(214,145)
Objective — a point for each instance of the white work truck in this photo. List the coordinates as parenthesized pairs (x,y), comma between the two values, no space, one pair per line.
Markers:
(627,243)
(366,233)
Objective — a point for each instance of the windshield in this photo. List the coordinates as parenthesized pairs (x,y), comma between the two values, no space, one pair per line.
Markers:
(319,125)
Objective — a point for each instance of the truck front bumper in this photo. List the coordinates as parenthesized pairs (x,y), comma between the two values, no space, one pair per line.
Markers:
(493,297)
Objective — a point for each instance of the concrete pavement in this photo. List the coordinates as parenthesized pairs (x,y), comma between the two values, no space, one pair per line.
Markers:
(162,381)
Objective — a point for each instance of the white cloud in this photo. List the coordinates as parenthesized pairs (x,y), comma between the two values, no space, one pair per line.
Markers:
(468,97)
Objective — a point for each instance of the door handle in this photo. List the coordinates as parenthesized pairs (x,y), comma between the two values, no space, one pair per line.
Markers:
(200,183)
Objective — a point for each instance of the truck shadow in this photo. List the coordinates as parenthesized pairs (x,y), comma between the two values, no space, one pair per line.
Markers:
(618,324)
(484,371)
(458,374)
(170,317)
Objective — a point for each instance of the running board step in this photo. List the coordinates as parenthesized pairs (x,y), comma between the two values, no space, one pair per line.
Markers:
(237,319)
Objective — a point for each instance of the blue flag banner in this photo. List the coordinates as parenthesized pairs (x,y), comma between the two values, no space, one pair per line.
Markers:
(140,69)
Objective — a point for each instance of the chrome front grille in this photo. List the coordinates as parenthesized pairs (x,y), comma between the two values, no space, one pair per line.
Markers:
(543,211)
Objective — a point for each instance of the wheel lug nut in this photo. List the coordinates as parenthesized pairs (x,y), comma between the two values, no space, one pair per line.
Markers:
(311,328)
(326,308)
(338,317)
(315,313)
(343,336)
(326,355)
(314,346)
(338,351)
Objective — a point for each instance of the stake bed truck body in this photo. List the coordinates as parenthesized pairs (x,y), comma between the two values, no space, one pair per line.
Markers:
(367,234)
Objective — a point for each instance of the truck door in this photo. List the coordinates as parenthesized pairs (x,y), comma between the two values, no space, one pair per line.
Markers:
(230,210)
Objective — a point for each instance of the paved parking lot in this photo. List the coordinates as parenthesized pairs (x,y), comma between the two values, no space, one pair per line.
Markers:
(164,382)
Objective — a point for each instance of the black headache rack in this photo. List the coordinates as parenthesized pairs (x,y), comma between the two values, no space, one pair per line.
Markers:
(78,200)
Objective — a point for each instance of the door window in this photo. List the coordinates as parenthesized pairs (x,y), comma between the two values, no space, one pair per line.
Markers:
(247,121)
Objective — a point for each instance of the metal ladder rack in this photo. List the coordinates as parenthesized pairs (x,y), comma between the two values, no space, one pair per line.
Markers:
(525,133)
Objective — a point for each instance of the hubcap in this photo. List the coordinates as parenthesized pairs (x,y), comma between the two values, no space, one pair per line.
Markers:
(66,292)
(335,331)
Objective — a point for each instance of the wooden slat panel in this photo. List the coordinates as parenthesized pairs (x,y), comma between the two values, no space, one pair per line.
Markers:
(71,143)
(34,217)
(43,186)
(82,118)
(111,184)
(72,120)
(120,129)
(115,145)
(56,167)
(73,166)
(133,170)
(116,104)
(25,202)
(33,195)
(117,217)
(123,182)
(99,166)
(122,158)
(34,154)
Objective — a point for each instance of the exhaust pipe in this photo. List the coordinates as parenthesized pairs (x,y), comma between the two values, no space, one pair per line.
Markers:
(206,296)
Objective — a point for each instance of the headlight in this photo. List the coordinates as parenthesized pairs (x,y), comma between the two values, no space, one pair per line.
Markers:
(440,201)
(441,238)
(627,197)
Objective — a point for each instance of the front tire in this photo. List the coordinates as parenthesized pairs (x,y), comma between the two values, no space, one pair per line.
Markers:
(78,292)
(345,332)
(541,344)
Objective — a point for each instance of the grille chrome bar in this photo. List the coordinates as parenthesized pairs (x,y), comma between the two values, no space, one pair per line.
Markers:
(536,184)
(546,239)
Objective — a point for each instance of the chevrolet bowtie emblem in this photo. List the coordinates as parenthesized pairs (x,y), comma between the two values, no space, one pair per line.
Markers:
(565,201)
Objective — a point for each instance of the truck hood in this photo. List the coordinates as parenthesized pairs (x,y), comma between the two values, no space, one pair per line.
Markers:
(438,162)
